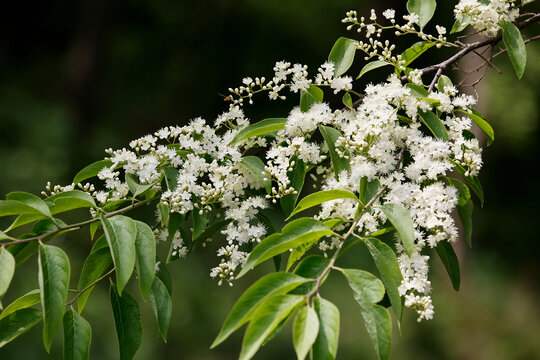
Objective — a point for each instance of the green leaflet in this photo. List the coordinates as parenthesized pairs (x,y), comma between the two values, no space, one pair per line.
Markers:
(145,245)
(265,319)
(7,269)
(127,318)
(313,95)
(423,8)
(270,285)
(256,167)
(347,100)
(465,207)
(459,26)
(320,197)
(18,323)
(450,261)
(386,262)
(479,120)
(135,186)
(25,301)
(472,181)
(263,127)
(310,267)
(297,177)
(305,331)
(434,124)
(53,283)
(368,189)
(443,82)
(368,290)
(161,303)
(294,234)
(330,136)
(415,51)
(515,45)
(401,220)
(120,232)
(77,336)
(372,66)
(326,344)
(342,55)
(92,170)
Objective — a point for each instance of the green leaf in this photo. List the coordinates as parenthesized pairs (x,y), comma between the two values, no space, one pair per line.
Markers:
(372,66)
(256,167)
(479,120)
(459,26)
(18,323)
(145,245)
(263,127)
(444,81)
(465,214)
(386,262)
(297,177)
(25,301)
(417,91)
(270,285)
(92,170)
(434,124)
(127,318)
(401,220)
(70,200)
(313,95)
(369,290)
(120,232)
(330,136)
(164,275)
(11,207)
(515,45)
(305,331)
(30,200)
(7,269)
(347,100)
(265,319)
(209,231)
(160,300)
(415,51)
(135,186)
(294,234)
(326,344)
(77,336)
(368,189)
(320,197)
(464,193)
(450,261)
(54,284)
(423,8)
(342,55)
(199,223)
(472,181)
(95,266)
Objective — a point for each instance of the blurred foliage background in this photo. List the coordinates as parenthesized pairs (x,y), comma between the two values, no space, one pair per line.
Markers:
(77,77)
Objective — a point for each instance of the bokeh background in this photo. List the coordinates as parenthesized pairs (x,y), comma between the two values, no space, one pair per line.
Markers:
(77,77)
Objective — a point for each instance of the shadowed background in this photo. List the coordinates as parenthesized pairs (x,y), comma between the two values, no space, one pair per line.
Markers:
(77,77)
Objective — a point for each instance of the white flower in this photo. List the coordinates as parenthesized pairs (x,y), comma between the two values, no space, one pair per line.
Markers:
(389,13)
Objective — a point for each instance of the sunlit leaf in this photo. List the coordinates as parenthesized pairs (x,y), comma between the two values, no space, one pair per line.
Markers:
(320,197)
(160,300)
(402,221)
(342,55)
(265,318)
(423,8)
(515,45)
(330,136)
(294,234)
(7,269)
(145,245)
(305,331)
(256,167)
(372,66)
(31,298)
(268,286)
(18,323)
(326,344)
(263,127)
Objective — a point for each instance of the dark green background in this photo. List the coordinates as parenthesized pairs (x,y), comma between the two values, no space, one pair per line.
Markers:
(77,77)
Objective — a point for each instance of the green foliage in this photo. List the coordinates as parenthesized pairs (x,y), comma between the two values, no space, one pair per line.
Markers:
(515,45)
(401,220)
(423,8)
(342,55)
(127,317)
(263,127)
(305,331)
(372,66)
(77,336)
(321,196)
(434,124)
(330,136)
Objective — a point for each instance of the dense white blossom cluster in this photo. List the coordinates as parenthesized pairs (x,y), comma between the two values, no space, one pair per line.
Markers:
(485,16)
(198,170)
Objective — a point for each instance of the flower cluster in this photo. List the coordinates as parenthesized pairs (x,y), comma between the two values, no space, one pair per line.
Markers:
(201,172)
(485,16)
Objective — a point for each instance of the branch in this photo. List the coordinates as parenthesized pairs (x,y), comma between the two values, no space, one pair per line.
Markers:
(476,45)
(78,225)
